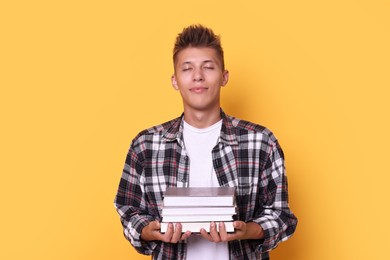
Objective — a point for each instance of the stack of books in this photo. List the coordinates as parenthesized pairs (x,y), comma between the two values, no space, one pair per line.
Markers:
(196,208)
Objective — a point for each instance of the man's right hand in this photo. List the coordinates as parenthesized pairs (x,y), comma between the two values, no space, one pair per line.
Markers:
(172,235)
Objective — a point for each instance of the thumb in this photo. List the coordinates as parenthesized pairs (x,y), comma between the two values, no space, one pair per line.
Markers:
(238,224)
(154,224)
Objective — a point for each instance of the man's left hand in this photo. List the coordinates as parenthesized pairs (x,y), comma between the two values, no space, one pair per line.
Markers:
(242,230)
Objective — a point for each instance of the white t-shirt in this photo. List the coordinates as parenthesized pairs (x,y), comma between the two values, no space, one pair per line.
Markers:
(199,144)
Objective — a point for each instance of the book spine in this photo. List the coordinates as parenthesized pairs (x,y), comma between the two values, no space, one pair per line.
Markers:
(198,202)
(195,227)
(200,218)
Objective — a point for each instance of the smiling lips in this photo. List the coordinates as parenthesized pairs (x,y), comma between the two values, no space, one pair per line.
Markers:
(198,89)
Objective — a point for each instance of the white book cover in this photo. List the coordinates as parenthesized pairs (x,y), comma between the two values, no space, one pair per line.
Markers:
(196,226)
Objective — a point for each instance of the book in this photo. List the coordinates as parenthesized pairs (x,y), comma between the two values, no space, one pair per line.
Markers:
(197,218)
(173,211)
(199,196)
(196,226)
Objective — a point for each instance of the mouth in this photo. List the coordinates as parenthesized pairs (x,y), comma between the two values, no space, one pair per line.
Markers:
(198,89)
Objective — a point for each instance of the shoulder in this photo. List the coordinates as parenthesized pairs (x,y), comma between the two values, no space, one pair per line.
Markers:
(157,132)
(256,137)
(244,128)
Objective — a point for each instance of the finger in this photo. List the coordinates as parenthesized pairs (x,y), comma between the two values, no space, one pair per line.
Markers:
(155,229)
(205,235)
(155,225)
(151,231)
(185,235)
(168,234)
(176,234)
(214,233)
(238,224)
(239,231)
(222,231)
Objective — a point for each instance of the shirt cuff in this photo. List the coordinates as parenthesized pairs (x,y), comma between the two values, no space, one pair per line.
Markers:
(271,233)
(141,246)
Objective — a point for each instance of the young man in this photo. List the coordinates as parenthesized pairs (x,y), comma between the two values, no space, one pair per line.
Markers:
(204,147)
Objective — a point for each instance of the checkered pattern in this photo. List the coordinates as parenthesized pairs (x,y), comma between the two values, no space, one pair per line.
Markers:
(247,156)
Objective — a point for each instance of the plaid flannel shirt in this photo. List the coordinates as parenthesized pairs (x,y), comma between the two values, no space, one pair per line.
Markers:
(247,156)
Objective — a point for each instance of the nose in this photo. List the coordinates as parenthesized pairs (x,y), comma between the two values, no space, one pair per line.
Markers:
(198,75)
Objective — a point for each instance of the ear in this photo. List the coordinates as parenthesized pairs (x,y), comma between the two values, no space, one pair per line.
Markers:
(174,82)
(225,78)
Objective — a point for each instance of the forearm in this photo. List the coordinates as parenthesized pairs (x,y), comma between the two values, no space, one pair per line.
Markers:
(131,205)
(133,224)
(276,219)
(278,225)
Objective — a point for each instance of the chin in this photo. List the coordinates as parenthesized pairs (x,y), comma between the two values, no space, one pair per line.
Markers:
(203,108)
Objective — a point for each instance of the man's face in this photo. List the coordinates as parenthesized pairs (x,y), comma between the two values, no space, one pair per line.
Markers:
(199,77)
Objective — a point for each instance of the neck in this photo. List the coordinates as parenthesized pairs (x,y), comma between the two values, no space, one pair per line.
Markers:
(202,119)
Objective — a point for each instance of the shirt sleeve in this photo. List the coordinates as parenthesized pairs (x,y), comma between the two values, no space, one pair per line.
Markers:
(276,219)
(130,203)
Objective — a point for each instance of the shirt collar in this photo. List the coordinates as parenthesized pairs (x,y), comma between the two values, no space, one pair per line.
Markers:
(228,136)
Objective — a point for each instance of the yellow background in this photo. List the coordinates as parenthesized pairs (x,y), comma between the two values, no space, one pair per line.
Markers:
(79,79)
